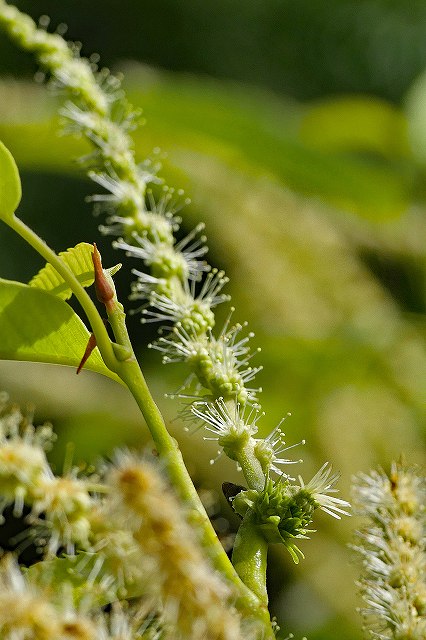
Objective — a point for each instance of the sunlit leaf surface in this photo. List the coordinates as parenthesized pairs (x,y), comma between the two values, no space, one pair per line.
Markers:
(79,260)
(39,327)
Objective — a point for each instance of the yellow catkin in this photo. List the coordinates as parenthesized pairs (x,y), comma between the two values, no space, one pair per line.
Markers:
(27,612)
(195,599)
(27,616)
(24,611)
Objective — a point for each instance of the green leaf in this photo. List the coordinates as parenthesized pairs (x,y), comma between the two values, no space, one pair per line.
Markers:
(77,572)
(37,326)
(79,260)
(10,184)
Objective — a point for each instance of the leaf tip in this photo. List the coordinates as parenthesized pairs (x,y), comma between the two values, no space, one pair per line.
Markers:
(10,184)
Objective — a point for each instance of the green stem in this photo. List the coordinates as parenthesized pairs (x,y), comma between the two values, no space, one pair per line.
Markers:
(250,557)
(251,467)
(247,602)
(131,374)
(168,450)
(167,447)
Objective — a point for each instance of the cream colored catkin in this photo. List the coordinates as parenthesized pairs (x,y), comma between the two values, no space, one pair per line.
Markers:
(197,603)
(392,545)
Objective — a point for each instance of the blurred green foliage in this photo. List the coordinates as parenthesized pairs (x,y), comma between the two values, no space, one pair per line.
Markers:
(307,49)
(315,209)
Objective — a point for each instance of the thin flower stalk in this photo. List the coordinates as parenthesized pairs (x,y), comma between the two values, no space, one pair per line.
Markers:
(97,110)
(283,511)
(27,479)
(120,358)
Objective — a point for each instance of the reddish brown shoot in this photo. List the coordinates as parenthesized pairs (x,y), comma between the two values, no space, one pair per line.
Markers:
(104,290)
(90,346)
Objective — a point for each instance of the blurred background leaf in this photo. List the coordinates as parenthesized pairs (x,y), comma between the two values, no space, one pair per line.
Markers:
(298,131)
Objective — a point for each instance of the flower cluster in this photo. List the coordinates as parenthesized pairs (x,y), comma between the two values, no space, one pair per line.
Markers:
(66,513)
(29,610)
(65,503)
(284,511)
(233,425)
(139,542)
(392,545)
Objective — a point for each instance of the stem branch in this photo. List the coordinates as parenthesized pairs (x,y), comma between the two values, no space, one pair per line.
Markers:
(251,600)
(102,339)
(251,467)
(250,557)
